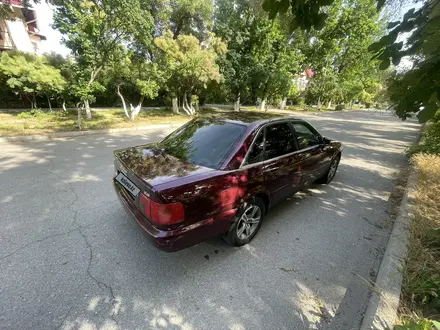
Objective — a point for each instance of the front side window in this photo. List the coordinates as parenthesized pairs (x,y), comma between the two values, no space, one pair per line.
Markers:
(305,136)
(256,154)
(203,142)
(279,140)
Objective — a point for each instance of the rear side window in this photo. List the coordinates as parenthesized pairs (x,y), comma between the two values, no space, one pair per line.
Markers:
(203,142)
(279,140)
(306,136)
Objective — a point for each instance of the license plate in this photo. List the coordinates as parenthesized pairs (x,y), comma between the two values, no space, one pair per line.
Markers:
(130,186)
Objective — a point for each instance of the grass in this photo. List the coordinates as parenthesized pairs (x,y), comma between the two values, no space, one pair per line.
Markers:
(420,298)
(306,108)
(42,122)
(61,121)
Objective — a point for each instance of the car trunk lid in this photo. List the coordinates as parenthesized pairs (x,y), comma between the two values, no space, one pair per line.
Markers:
(153,166)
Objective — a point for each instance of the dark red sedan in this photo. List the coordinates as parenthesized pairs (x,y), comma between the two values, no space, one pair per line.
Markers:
(215,177)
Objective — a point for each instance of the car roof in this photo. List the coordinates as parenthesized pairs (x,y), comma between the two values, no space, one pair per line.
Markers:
(248,118)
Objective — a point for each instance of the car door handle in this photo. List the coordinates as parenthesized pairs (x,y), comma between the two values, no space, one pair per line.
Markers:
(270,168)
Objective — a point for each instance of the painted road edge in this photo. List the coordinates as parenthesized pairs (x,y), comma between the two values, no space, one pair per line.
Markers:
(381,312)
(42,137)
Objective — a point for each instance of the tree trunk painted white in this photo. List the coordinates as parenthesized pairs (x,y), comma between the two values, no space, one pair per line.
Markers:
(188,108)
(263,105)
(329,104)
(237,104)
(118,92)
(319,103)
(79,119)
(88,112)
(64,105)
(174,101)
(50,104)
(135,110)
(184,106)
(283,103)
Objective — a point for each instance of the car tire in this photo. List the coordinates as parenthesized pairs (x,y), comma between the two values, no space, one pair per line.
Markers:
(244,225)
(331,172)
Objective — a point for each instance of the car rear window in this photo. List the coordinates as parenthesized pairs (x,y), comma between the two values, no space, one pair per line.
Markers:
(203,142)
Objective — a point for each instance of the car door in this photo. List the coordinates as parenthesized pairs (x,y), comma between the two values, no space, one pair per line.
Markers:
(311,152)
(281,175)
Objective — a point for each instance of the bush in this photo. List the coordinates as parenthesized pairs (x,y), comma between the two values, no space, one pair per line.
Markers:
(436,117)
(417,325)
(367,105)
(24,115)
(340,107)
(431,141)
(31,114)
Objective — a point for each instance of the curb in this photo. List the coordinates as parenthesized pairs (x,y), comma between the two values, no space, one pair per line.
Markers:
(43,137)
(381,312)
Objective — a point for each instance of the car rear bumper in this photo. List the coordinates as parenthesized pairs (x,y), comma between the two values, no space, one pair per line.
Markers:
(177,239)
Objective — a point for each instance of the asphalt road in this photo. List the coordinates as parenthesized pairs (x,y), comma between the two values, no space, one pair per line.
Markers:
(71,258)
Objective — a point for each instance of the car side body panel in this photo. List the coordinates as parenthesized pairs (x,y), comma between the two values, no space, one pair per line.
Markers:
(212,197)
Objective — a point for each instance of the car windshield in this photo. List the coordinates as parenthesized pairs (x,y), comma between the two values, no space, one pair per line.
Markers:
(204,142)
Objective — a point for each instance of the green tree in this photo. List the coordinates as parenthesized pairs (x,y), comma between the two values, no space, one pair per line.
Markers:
(191,17)
(418,88)
(189,65)
(324,88)
(277,61)
(131,72)
(29,76)
(304,15)
(77,87)
(64,65)
(260,60)
(93,31)
(338,53)
(234,23)
(182,17)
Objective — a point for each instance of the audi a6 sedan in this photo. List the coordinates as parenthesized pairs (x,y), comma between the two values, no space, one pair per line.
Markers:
(219,177)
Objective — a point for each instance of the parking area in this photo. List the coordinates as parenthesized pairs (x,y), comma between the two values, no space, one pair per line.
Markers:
(71,258)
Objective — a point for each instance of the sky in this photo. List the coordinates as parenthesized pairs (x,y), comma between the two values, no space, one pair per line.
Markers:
(53,42)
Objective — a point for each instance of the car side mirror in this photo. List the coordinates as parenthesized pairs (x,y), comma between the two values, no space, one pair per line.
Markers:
(326,140)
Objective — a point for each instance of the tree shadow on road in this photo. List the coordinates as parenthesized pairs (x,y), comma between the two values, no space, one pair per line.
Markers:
(87,263)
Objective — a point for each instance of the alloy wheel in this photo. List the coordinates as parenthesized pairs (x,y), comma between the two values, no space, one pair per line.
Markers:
(248,222)
(332,169)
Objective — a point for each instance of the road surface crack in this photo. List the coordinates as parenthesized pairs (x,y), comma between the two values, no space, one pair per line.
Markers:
(378,226)
(72,190)
(102,285)
(288,270)
(37,241)
(63,320)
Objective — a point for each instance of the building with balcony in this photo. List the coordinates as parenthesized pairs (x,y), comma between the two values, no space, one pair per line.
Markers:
(20,31)
(303,78)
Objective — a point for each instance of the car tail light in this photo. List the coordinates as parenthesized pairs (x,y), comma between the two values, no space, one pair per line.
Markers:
(162,214)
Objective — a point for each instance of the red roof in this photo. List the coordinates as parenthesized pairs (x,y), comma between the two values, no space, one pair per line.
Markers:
(13,2)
